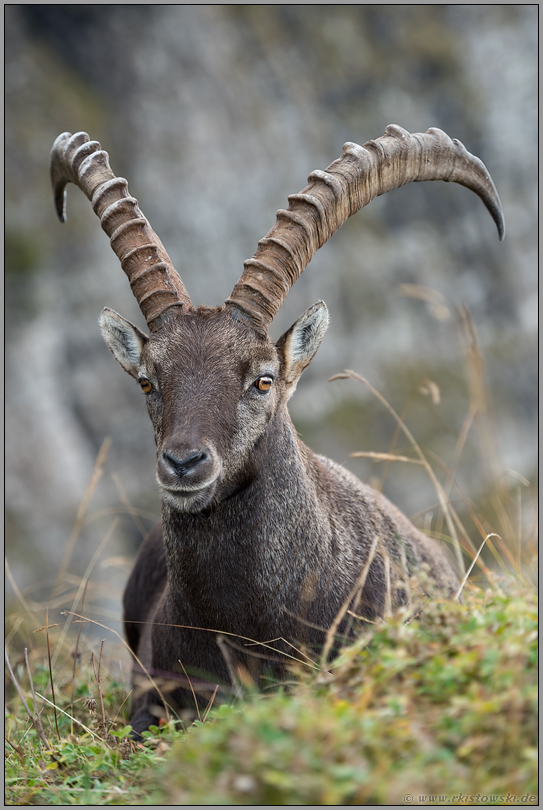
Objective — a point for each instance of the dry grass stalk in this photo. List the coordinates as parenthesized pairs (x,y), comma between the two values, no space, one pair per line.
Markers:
(29,609)
(385,457)
(468,572)
(357,587)
(76,654)
(33,720)
(225,652)
(349,374)
(74,719)
(125,643)
(192,690)
(51,670)
(99,687)
(83,584)
(210,704)
(38,717)
(451,472)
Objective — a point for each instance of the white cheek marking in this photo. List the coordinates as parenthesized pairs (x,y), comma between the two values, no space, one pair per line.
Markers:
(252,423)
(145,372)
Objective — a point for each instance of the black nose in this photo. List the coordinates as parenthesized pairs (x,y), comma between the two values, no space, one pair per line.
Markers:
(182,466)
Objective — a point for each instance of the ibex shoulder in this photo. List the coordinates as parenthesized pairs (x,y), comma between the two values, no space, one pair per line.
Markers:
(361,505)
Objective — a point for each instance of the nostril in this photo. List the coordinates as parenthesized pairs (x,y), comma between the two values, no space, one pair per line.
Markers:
(183,466)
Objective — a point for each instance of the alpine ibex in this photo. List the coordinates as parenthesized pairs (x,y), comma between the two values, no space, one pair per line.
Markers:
(260,539)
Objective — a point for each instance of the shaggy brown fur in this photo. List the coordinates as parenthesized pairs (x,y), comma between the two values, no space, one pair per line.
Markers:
(271,548)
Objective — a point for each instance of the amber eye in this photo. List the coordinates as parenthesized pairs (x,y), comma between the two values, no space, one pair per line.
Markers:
(264,383)
(145,386)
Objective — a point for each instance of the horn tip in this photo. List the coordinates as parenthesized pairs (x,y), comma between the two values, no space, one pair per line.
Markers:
(496,212)
(60,203)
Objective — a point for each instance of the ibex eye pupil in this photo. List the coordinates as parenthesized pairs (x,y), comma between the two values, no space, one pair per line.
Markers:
(264,383)
(145,386)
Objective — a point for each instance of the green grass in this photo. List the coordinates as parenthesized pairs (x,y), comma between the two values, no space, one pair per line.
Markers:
(444,704)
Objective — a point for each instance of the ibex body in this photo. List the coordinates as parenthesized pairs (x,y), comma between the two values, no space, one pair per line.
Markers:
(260,539)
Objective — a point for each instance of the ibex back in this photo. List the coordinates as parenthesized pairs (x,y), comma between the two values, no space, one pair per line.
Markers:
(261,540)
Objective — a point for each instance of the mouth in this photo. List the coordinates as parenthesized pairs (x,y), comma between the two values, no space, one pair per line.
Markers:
(189,499)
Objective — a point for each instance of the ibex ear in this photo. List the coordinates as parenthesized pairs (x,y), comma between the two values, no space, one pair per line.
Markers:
(124,339)
(299,344)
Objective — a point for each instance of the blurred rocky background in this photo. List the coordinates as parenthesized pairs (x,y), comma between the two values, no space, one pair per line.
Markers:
(215,114)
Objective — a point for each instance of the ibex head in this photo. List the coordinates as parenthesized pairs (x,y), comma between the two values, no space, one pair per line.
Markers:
(215,383)
(212,387)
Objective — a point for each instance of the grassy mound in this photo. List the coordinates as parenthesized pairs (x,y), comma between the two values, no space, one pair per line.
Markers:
(440,709)
(441,706)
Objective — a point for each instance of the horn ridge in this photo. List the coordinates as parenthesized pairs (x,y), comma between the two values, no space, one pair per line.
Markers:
(359,175)
(153,278)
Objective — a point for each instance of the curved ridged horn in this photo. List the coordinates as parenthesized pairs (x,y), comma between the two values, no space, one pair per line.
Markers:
(153,278)
(348,184)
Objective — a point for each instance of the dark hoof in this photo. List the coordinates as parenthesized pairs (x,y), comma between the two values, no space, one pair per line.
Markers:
(141,722)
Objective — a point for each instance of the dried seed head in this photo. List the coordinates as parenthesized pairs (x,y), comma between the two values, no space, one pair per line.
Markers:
(90,704)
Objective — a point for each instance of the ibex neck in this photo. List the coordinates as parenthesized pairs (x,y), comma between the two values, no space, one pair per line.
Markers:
(251,539)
